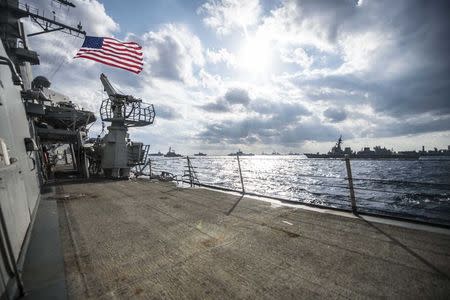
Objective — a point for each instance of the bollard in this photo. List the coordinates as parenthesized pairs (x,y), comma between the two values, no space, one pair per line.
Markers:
(240,174)
(350,183)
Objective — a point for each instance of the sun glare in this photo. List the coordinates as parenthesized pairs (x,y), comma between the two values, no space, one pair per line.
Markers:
(254,56)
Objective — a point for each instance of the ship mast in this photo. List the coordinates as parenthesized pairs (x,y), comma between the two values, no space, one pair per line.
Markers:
(14,39)
(339,143)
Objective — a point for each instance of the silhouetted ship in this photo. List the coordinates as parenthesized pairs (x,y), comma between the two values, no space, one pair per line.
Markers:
(438,154)
(240,153)
(159,153)
(378,152)
(200,154)
(273,153)
(171,153)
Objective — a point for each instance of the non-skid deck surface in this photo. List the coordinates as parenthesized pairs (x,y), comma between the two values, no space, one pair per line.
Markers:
(141,239)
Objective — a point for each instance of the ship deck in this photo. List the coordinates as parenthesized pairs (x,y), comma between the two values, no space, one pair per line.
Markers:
(139,238)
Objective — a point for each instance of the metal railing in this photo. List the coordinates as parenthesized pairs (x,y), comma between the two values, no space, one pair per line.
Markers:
(359,191)
(132,114)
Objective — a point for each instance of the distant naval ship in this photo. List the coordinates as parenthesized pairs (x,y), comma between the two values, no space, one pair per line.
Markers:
(240,153)
(378,152)
(172,153)
(200,154)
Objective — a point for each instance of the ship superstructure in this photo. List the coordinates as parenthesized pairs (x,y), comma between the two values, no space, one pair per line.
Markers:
(40,127)
(33,118)
(335,152)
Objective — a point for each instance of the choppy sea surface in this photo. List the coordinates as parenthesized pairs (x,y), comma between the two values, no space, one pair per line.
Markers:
(416,189)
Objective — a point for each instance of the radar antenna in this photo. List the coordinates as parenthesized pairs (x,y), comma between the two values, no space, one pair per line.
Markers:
(47,23)
(12,31)
(51,24)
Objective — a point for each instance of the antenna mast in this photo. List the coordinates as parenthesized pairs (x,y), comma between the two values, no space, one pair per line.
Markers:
(12,31)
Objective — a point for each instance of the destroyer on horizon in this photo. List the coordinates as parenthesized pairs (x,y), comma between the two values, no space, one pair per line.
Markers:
(378,152)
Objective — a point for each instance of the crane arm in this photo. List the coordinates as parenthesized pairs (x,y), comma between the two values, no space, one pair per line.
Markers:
(109,89)
(112,94)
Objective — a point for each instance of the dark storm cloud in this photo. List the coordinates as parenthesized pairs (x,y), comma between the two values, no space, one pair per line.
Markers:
(415,94)
(335,114)
(410,76)
(268,131)
(166,112)
(412,127)
(411,94)
(216,107)
(232,97)
(278,122)
(334,95)
(284,110)
(236,131)
(311,130)
(323,87)
(237,96)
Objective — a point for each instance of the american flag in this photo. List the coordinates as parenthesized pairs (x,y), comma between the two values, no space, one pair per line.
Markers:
(112,52)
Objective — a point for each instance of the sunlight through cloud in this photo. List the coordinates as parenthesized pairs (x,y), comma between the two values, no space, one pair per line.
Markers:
(254,55)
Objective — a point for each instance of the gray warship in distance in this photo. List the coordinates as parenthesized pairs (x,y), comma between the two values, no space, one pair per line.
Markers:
(200,154)
(240,153)
(378,152)
(172,153)
(39,127)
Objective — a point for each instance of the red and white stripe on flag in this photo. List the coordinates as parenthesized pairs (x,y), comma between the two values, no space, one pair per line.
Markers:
(112,52)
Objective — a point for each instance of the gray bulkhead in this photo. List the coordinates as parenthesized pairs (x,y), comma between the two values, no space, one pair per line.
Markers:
(19,184)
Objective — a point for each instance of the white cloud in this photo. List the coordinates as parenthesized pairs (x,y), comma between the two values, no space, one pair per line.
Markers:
(288,27)
(212,82)
(226,16)
(93,15)
(220,56)
(362,50)
(297,56)
(172,53)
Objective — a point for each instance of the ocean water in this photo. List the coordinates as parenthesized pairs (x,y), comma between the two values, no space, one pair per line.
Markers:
(416,189)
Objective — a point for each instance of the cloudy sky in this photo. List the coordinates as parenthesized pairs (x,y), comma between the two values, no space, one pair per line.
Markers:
(268,75)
